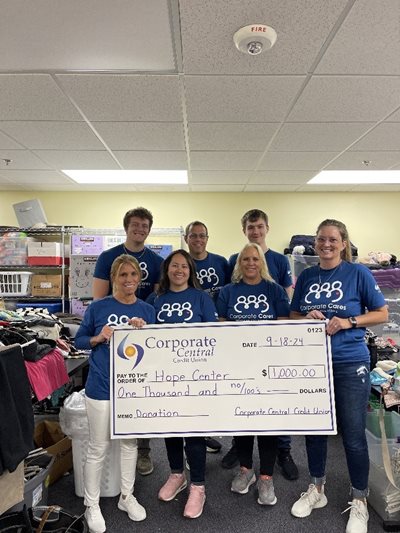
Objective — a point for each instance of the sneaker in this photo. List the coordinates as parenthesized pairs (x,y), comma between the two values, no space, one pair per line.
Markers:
(136,512)
(243,480)
(358,519)
(230,459)
(173,486)
(144,463)
(312,499)
(194,505)
(288,467)
(95,519)
(266,492)
(213,446)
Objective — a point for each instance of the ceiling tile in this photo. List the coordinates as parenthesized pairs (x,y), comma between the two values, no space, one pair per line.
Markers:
(33,97)
(75,159)
(278,177)
(318,136)
(347,99)
(208,28)
(207,97)
(354,161)
(125,97)
(224,160)
(6,143)
(219,177)
(82,37)
(21,159)
(44,176)
(325,188)
(367,42)
(152,160)
(385,136)
(141,135)
(296,160)
(230,136)
(52,135)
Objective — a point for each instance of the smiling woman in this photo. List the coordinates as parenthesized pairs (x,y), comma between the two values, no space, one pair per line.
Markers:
(121,308)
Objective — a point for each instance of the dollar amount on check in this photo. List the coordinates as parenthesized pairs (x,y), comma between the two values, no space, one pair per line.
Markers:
(225,378)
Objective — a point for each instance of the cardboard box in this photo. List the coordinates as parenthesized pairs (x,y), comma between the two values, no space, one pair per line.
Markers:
(48,435)
(86,244)
(46,285)
(78,307)
(81,276)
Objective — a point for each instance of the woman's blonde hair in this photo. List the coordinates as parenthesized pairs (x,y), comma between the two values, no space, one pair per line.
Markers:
(121,260)
(237,271)
(345,254)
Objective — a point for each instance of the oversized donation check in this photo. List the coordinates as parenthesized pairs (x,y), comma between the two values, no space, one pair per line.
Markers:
(226,378)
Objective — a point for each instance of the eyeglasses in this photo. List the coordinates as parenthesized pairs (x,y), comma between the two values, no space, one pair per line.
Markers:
(202,236)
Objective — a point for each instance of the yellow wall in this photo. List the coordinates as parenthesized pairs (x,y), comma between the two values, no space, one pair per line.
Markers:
(371,218)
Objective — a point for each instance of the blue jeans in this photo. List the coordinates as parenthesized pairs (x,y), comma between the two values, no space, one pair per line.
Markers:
(195,448)
(352,389)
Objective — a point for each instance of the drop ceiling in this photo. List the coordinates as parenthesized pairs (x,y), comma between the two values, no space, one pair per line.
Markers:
(128,84)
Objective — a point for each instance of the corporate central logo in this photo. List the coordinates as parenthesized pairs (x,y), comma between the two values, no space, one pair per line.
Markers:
(129,351)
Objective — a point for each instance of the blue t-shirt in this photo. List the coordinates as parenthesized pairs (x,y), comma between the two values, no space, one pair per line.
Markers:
(107,311)
(190,305)
(212,273)
(240,301)
(348,290)
(149,261)
(278,266)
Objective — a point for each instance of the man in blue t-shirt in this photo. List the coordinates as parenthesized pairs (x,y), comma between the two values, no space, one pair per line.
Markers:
(212,269)
(137,226)
(212,272)
(255,227)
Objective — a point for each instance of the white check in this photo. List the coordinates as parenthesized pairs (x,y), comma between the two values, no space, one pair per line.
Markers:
(226,378)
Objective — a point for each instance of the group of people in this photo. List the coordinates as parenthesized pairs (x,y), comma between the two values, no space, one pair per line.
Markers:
(205,287)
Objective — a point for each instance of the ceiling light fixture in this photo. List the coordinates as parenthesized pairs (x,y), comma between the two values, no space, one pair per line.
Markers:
(129,177)
(255,39)
(356,177)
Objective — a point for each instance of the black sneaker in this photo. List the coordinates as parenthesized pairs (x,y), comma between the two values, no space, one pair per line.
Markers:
(213,446)
(230,459)
(288,467)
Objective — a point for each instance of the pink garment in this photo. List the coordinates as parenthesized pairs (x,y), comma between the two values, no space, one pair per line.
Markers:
(48,374)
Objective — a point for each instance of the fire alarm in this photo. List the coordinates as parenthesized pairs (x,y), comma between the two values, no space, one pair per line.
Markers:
(255,39)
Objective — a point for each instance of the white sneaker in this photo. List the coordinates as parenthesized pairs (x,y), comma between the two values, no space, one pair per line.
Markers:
(312,499)
(130,505)
(95,519)
(358,519)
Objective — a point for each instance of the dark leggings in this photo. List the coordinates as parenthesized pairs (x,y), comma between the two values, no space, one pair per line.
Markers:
(267,449)
(195,448)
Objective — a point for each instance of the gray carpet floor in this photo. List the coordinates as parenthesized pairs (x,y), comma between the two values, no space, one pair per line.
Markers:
(225,511)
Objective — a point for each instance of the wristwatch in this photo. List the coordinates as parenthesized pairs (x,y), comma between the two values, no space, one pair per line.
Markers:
(353,321)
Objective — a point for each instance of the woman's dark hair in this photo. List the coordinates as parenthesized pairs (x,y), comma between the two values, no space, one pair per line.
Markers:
(164,279)
(345,254)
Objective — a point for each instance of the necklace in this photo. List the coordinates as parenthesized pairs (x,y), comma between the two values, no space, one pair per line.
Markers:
(331,275)
(132,253)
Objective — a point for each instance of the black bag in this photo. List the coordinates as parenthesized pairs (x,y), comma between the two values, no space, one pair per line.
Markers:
(52,519)
(27,342)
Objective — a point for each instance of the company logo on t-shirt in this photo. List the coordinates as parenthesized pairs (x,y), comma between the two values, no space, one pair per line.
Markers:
(244,303)
(145,272)
(179,310)
(209,275)
(324,291)
(115,320)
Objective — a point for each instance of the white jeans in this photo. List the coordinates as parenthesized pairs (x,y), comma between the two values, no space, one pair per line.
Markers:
(98,413)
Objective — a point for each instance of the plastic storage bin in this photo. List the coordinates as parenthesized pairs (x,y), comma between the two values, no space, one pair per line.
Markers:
(13,248)
(74,423)
(15,283)
(54,307)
